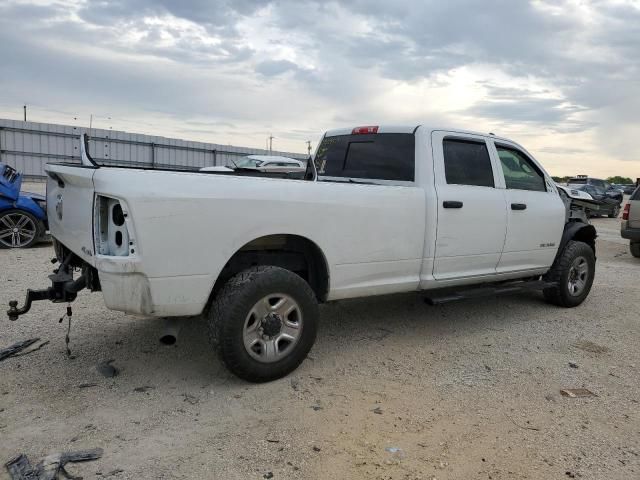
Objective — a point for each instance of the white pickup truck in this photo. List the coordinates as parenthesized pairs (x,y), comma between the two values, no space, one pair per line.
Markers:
(380,210)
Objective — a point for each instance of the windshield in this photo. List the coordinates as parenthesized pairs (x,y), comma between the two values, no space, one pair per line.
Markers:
(248,163)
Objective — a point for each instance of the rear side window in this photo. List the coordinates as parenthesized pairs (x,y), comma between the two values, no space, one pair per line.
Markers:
(380,156)
(520,173)
(467,163)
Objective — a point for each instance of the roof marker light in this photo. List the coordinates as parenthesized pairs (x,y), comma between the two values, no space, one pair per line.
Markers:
(365,130)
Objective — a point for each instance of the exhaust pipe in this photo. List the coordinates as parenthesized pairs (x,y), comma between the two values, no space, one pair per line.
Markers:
(171,330)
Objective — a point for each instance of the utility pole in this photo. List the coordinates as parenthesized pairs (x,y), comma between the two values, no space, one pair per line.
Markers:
(271,137)
(308,142)
(25,112)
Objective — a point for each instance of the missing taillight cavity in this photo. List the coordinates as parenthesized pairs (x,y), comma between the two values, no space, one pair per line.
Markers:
(111,231)
(117,215)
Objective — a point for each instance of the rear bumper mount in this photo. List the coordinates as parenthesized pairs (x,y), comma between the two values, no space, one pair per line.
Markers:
(63,287)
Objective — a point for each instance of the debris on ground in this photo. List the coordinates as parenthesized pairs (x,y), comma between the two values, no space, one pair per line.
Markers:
(190,398)
(524,427)
(590,347)
(573,365)
(377,410)
(268,475)
(87,385)
(143,389)
(20,467)
(16,348)
(395,451)
(577,392)
(316,448)
(106,369)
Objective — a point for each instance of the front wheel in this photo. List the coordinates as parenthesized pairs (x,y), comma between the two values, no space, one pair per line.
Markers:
(19,229)
(263,322)
(573,272)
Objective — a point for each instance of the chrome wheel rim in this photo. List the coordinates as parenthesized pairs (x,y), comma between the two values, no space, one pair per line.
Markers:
(272,328)
(16,230)
(578,274)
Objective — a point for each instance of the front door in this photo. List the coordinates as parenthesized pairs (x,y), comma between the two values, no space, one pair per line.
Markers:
(472,214)
(535,213)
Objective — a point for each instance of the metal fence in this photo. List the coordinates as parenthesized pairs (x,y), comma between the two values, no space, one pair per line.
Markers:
(28,146)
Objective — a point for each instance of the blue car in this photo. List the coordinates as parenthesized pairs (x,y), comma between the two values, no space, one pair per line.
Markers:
(23,216)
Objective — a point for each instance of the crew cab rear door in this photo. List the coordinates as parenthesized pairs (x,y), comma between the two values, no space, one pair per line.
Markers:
(535,212)
(472,217)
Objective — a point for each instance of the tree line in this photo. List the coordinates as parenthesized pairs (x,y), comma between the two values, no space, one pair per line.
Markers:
(617,179)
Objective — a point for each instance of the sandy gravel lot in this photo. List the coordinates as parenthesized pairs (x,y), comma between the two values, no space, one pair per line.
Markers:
(469,390)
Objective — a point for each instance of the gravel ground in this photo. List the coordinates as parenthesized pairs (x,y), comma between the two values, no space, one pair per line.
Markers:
(465,390)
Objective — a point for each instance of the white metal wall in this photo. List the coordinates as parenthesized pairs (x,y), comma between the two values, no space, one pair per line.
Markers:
(28,146)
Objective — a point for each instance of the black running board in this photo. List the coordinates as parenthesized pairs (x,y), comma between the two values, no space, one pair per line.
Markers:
(438,297)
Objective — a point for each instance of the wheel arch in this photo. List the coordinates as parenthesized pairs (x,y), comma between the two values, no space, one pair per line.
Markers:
(293,252)
(579,231)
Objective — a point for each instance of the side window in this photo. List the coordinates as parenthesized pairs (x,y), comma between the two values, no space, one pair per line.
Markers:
(467,162)
(520,173)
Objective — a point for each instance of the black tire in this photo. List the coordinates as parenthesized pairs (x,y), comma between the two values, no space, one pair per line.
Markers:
(232,306)
(614,213)
(39,227)
(634,247)
(561,270)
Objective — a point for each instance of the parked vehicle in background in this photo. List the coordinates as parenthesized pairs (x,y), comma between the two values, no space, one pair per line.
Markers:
(605,204)
(23,216)
(629,188)
(262,163)
(602,186)
(381,210)
(630,228)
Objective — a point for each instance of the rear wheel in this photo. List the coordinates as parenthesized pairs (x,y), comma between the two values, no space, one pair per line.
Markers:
(634,247)
(573,272)
(19,229)
(263,322)
(615,212)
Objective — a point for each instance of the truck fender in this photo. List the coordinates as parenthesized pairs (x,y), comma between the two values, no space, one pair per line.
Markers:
(580,231)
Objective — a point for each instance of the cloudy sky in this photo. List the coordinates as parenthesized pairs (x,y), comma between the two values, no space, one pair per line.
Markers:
(560,77)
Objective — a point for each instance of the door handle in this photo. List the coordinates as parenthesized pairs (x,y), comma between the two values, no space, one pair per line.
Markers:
(452,204)
(518,206)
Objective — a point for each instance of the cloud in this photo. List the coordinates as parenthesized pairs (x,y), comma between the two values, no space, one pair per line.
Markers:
(544,71)
(271,68)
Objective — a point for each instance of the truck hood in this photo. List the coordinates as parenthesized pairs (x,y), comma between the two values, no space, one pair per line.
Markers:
(579,197)
(10,182)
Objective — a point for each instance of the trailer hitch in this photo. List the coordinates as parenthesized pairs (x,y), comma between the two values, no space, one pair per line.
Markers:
(63,289)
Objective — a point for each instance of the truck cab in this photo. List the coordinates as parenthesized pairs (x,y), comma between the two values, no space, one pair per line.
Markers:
(489,210)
